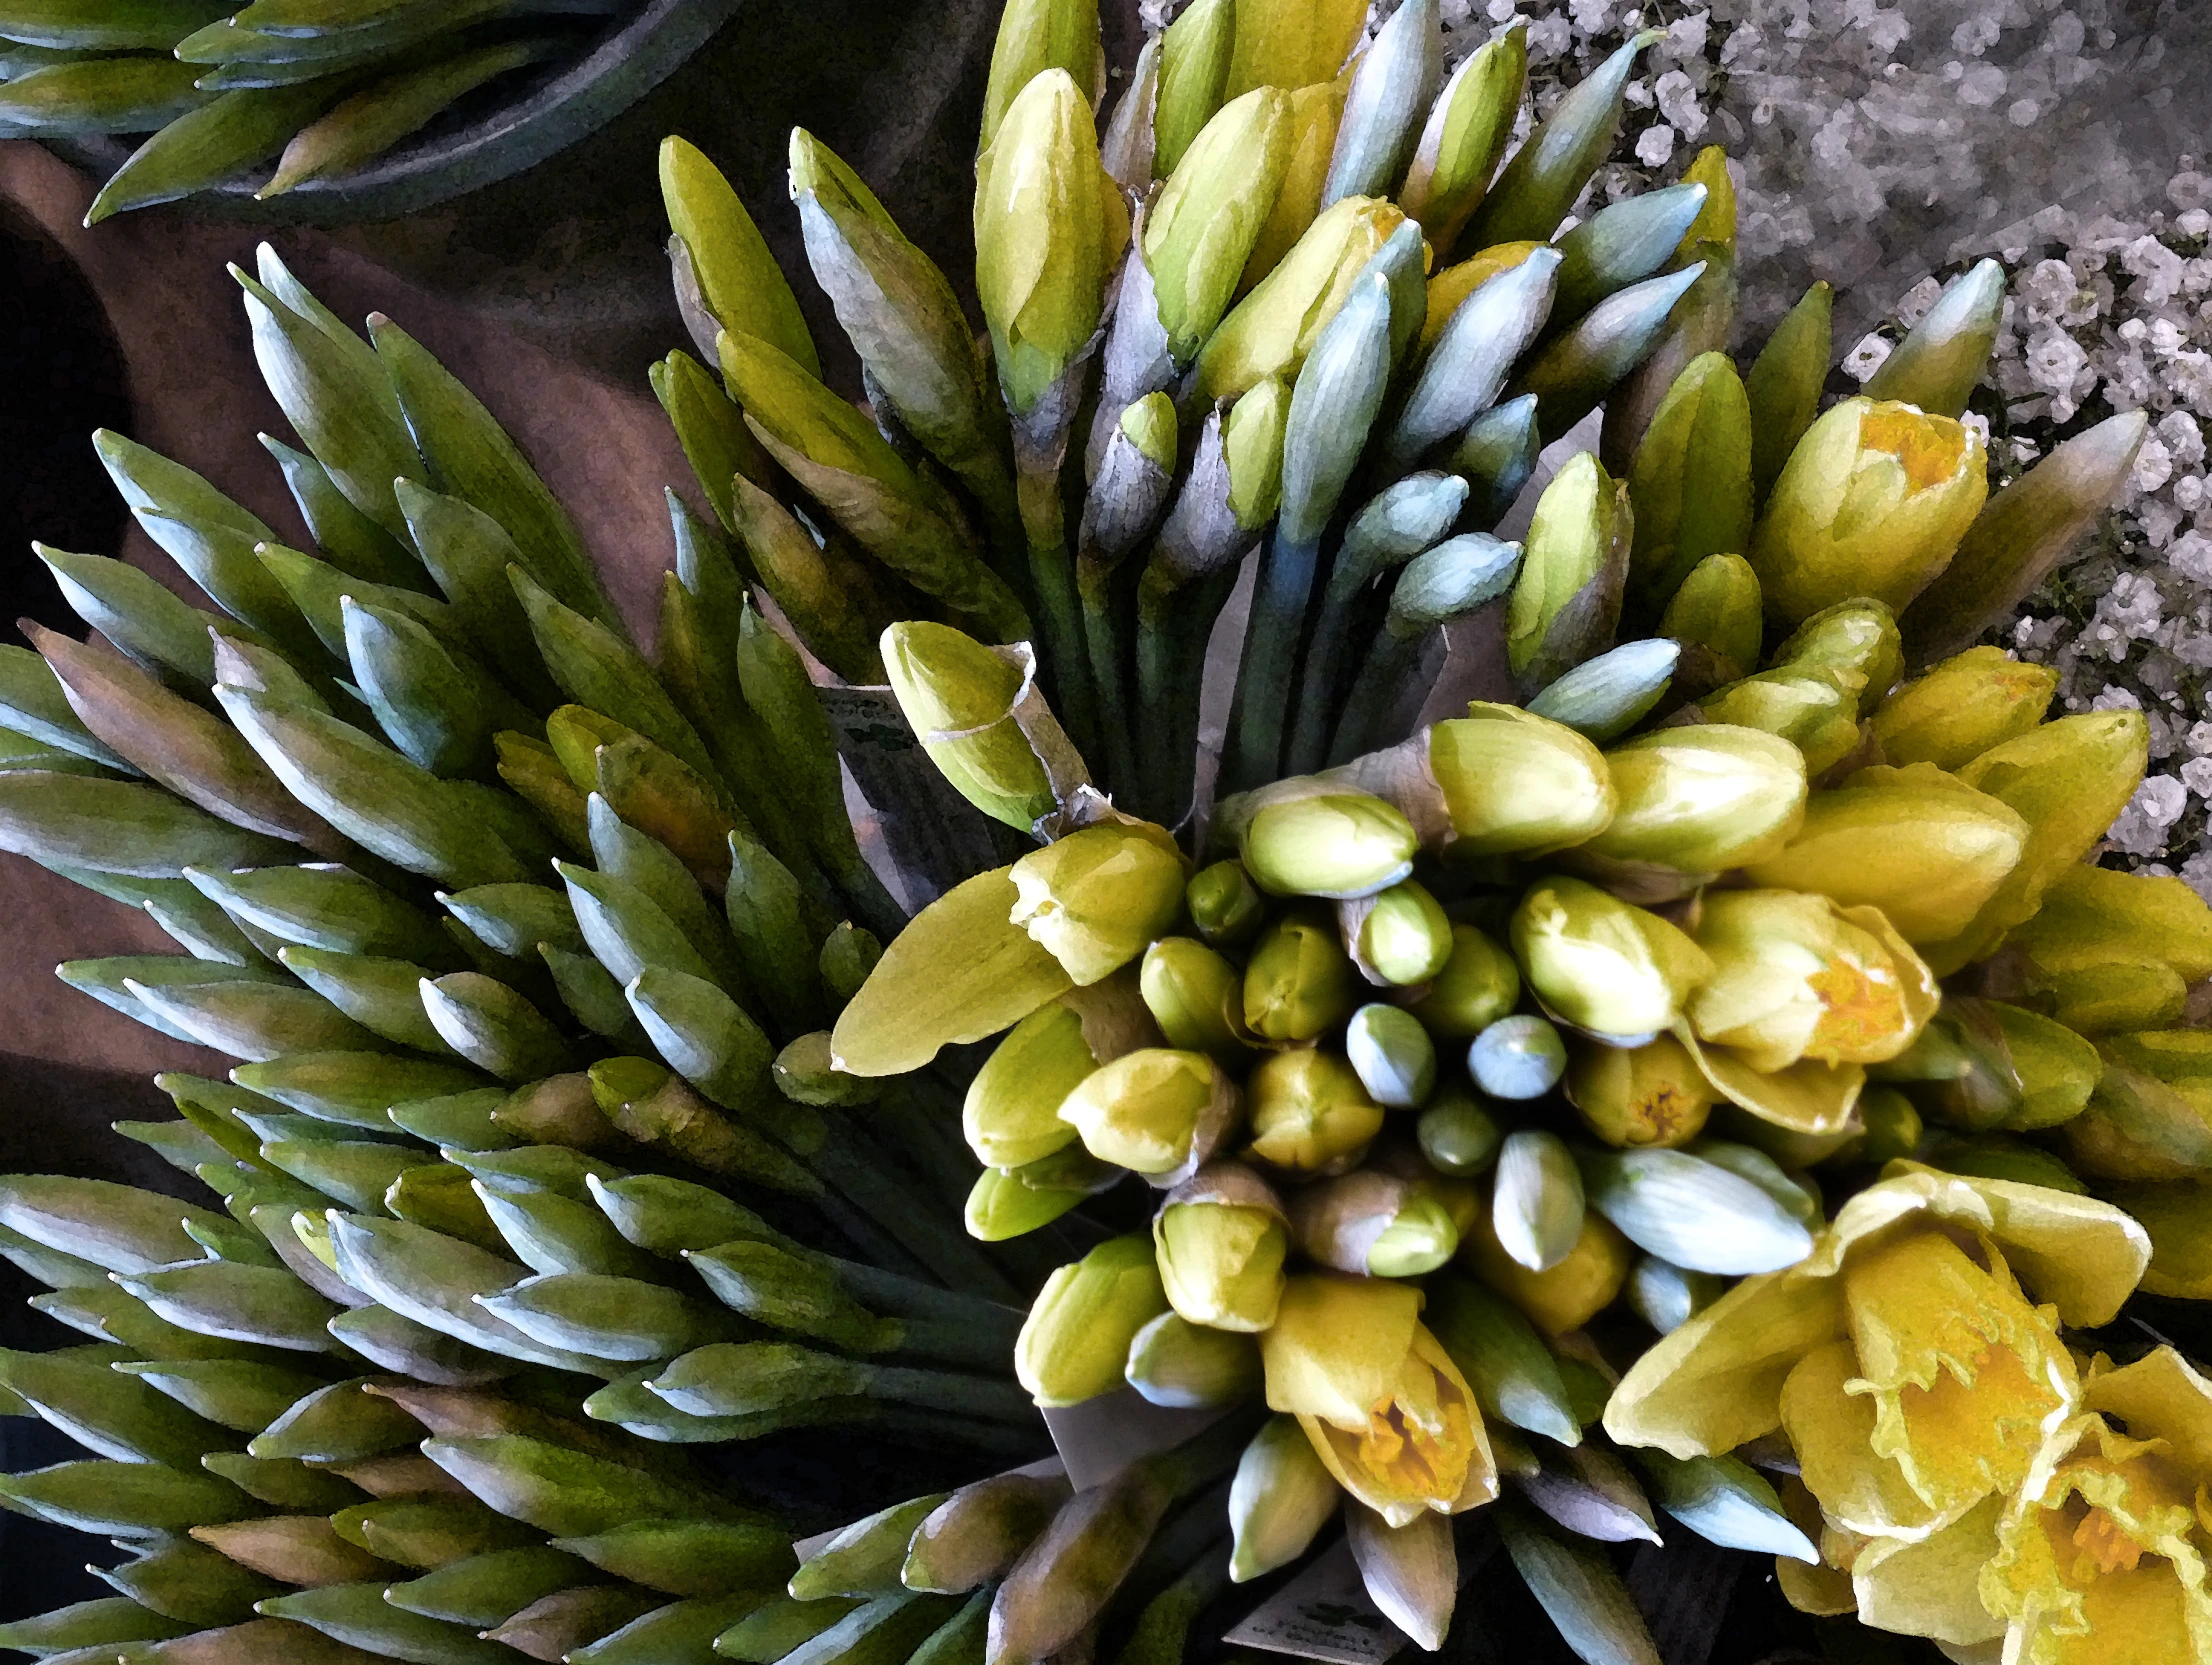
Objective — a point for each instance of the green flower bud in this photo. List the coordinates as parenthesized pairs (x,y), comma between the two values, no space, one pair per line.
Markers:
(1518,784)
(1466,135)
(1601,963)
(1666,1297)
(1200,231)
(1855,640)
(1794,976)
(1536,1200)
(1271,330)
(1457,1135)
(1337,844)
(1393,81)
(959,697)
(1314,113)
(1873,502)
(1194,67)
(1309,1113)
(1691,480)
(1220,1239)
(1652,1094)
(1605,697)
(1698,799)
(1962,707)
(1812,709)
(1157,1112)
(1034,36)
(1478,985)
(2094,920)
(1785,384)
(1299,981)
(1941,358)
(1374,1224)
(1097,898)
(1921,845)
(1049,225)
(1185,1366)
(1292,43)
(1717,617)
(738,280)
(1252,449)
(1392,1055)
(1398,936)
(1075,1343)
(1518,1057)
(1282,1497)
(1196,997)
(1001,1205)
(1011,1115)
(1567,599)
(1224,903)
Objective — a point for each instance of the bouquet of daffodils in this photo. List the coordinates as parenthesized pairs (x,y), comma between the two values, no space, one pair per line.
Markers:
(1696,1090)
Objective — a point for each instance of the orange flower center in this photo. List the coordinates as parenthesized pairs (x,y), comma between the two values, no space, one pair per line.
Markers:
(1861,1008)
(2100,1538)
(1927,450)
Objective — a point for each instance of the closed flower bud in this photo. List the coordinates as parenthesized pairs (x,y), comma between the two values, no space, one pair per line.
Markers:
(1392,1055)
(1652,1094)
(1299,981)
(1309,1113)
(1963,707)
(1718,618)
(1271,330)
(2093,919)
(1856,640)
(1601,963)
(1518,784)
(1220,1239)
(1873,501)
(1814,710)
(1386,1409)
(1097,898)
(1185,1366)
(1518,1057)
(1477,985)
(1200,231)
(1011,1115)
(1049,225)
(1458,1136)
(1196,997)
(1075,1343)
(1567,599)
(1666,1297)
(959,697)
(1398,936)
(1922,846)
(1795,976)
(1282,1497)
(1224,903)
(1698,799)
(1566,1296)
(1252,450)
(1156,1112)
(1893,1126)
(1373,1224)
(1337,844)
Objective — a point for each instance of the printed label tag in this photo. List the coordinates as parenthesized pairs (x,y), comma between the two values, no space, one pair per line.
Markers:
(1100,1437)
(1324,1613)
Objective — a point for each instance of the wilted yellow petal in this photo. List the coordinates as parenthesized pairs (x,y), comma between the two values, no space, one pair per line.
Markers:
(1808,1097)
(1931,1587)
(1965,1375)
(1338,1346)
(1832,1432)
(2160,1396)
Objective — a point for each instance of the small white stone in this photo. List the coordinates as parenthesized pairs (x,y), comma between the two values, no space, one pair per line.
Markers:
(1655,145)
(2196,775)
(1866,358)
(1913,305)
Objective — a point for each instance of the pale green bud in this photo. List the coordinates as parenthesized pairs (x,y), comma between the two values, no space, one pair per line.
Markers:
(1567,599)
(1337,844)
(1941,358)
(1666,1297)
(1200,231)
(1478,985)
(1150,426)
(1536,1199)
(1194,67)
(1518,784)
(1466,135)
(1157,1112)
(1075,1343)
(1315,112)
(1309,1113)
(1698,799)
(1196,997)
(1252,448)
(1373,1224)
(1049,225)
(1034,36)
(738,280)
(1457,1135)
(1691,480)
(1652,1094)
(1893,1126)
(1601,963)
(1001,1205)
(1814,710)
(1097,898)
(1220,1240)
(1392,1055)
(1856,640)
(1224,903)
(1299,980)
(1271,330)
(1282,1497)
(1962,707)
(1873,502)
(1185,1366)
(958,697)
(1518,1057)
(1011,1115)
(1718,618)
(1397,936)
(1785,382)
(1292,43)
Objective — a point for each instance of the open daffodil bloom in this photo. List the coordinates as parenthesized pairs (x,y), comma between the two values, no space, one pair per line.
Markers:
(1385,1408)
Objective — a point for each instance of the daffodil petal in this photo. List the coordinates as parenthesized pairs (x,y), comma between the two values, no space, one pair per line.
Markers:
(1807,1097)
(2160,1397)
(1931,1588)
(1832,1432)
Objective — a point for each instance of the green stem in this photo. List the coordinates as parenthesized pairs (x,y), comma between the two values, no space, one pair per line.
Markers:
(1264,679)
